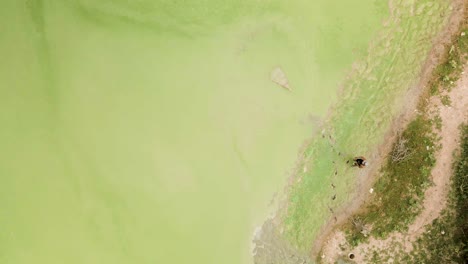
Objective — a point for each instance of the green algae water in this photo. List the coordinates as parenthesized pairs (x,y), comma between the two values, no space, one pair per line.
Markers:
(150,131)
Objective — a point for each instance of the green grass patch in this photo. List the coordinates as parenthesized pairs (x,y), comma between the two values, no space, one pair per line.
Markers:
(446,239)
(445,99)
(400,189)
(448,72)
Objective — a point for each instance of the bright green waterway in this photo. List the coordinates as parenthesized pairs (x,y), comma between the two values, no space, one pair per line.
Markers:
(149,131)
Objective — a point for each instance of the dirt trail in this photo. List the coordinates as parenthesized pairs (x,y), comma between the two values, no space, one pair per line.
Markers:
(329,240)
(452,116)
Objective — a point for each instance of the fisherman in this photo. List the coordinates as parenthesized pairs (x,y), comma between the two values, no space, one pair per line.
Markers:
(360,162)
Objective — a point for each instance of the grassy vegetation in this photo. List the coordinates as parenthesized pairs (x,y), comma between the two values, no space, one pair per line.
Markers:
(446,238)
(448,72)
(400,188)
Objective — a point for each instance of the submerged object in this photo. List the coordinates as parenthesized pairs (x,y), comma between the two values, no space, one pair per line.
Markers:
(278,76)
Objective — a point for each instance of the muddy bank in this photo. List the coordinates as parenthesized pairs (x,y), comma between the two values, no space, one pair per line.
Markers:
(329,239)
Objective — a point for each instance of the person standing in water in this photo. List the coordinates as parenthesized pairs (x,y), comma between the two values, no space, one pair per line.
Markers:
(360,161)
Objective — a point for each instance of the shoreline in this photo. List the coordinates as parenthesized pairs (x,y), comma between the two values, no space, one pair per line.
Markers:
(413,95)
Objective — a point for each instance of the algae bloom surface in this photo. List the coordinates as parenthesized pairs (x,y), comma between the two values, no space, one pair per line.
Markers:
(151,131)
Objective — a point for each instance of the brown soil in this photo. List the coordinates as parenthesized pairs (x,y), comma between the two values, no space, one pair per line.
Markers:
(330,238)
